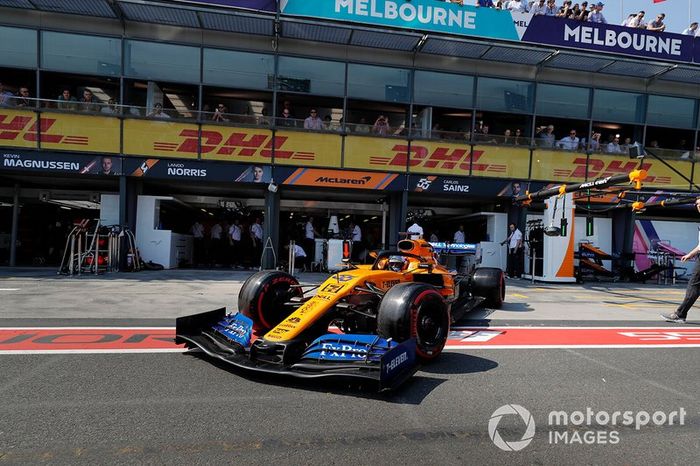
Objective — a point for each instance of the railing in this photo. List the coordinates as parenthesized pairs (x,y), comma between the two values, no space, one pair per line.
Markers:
(108,128)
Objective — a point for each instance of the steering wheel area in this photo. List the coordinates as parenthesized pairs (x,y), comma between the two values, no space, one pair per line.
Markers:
(382,260)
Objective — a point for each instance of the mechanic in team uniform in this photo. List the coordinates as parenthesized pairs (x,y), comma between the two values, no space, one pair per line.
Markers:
(415,230)
(693,290)
(515,251)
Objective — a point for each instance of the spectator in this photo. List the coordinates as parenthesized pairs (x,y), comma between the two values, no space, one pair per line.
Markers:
(158,112)
(220,113)
(518,5)
(110,108)
(507,138)
(551,9)
(485,3)
(327,123)
(22,99)
(594,143)
(66,101)
(88,103)
(5,97)
(597,15)
(362,127)
(658,24)
(583,15)
(637,21)
(287,105)
(381,126)
(627,21)
(570,142)
(313,121)
(518,139)
(485,136)
(692,30)
(614,146)
(575,12)
(626,146)
(546,135)
(286,119)
(264,118)
(538,8)
(565,10)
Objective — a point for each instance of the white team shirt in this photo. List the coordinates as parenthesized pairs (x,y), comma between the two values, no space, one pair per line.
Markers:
(299,251)
(309,230)
(235,232)
(459,237)
(515,237)
(216,232)
(417,231)
(357,233)
(257,230)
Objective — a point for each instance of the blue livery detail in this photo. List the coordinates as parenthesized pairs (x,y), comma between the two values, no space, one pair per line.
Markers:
(398,361)
(237,328)
(348,347)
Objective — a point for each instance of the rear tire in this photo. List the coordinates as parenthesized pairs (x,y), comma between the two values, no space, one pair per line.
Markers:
(415,310)
(263,295)
(489,283)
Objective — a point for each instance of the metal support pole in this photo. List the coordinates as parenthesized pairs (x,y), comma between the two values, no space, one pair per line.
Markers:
(15,227)
(384,210)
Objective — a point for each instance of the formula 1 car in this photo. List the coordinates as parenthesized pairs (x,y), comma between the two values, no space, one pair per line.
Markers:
(369,322)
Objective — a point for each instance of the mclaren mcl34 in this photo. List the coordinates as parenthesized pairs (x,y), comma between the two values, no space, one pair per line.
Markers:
(375,322)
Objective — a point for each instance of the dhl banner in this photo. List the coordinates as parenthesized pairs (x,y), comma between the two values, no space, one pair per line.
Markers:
(81,133)
(375,153)
(500,162)
(236,144)
(310,149)
(160,138)
(571,167)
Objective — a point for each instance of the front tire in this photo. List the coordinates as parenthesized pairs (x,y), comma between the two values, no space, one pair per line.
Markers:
(263,295)
(489,283)
(415,310)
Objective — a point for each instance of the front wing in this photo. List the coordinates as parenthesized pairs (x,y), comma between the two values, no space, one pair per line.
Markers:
(342,357)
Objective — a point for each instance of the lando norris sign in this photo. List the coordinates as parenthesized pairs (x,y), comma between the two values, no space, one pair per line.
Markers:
(425,15)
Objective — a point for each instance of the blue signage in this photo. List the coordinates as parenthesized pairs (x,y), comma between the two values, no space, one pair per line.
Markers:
(609,38)
(422,15)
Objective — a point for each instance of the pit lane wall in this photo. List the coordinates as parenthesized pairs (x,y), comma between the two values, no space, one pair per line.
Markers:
(471,21)
(52,132)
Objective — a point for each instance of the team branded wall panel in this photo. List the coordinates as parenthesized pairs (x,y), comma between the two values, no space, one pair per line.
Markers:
(157,138)
(59,163)
(83,133)
(376,153)
(310,149)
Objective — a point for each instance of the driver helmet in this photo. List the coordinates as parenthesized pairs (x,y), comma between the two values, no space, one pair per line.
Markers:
(396,263)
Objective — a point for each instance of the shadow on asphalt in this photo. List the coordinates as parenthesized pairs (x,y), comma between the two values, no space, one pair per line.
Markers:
(413,391)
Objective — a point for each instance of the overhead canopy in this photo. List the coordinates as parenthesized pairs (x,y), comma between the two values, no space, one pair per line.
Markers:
(205,14)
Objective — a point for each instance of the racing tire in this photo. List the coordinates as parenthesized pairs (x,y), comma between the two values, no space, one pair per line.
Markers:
(263,295)
(489,283)
(415,310)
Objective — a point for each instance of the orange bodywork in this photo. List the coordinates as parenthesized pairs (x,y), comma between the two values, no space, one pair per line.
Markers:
(348,282)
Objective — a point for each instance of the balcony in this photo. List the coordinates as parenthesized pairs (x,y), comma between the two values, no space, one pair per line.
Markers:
(186,134)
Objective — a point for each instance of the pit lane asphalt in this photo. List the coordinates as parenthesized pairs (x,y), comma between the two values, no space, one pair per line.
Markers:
(167,408)
(179,408)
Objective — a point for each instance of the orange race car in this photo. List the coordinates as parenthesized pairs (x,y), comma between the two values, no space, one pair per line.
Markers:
(373,322)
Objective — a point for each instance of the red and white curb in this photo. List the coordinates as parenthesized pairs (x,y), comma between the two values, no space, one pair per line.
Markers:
(69,340)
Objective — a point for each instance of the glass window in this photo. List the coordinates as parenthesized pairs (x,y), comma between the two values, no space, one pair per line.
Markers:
(563,101)
(18,47)
(81,54)
(238,69)
(161,61)
(443,90)
(671,111)
(504,95)
(378,83)
(617,106)
(311,76)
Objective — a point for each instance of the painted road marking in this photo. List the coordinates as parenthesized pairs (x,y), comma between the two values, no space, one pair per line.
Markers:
(9,289)
(72,340)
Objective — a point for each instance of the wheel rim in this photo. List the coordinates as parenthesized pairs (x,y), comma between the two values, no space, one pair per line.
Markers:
(430,323)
